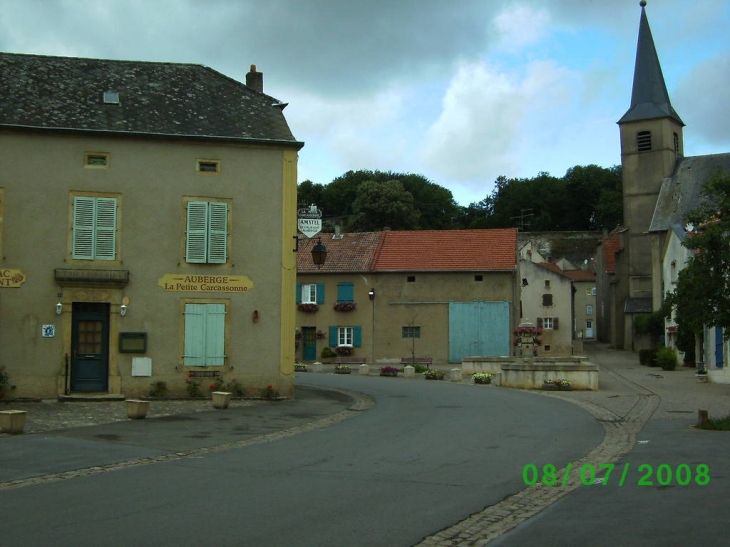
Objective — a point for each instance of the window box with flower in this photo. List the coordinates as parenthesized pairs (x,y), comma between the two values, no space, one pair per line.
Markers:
(344,350)
(344,306)
(308,308)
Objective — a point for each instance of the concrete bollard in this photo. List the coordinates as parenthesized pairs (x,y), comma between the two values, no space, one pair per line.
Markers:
(364,370)
(316,366)
(409,371)
(702,418)
(456,375)
(12,421)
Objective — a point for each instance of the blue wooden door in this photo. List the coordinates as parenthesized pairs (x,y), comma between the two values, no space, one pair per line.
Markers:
(478,329)
(309,343)
(90,346)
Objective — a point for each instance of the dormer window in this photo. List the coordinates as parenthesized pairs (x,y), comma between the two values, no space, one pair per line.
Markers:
(643,141)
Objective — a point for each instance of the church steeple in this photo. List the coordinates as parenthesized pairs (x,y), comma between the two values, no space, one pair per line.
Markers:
(649,97)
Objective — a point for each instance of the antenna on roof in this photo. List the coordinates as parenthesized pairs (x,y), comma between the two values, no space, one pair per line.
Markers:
(522,216)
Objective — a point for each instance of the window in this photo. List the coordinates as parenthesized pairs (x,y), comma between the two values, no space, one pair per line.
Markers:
(589,309)
(548,323)
(345,292)
(547,299)
(205,335)
(676,144)
(96,159)
(411,279)
(478,278)
(208,166)
(643,141)
(309,294)
(411,332)
(593,291)
(94,232)
(345,336)
(206,238)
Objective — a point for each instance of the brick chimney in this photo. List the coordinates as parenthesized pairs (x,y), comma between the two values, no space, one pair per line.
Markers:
(255,79)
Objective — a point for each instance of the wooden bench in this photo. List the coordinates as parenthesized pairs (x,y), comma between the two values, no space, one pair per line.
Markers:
(428,361)
(343,360)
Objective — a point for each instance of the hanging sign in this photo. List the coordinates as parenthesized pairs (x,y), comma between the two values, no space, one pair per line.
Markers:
(11,278)
(309,220)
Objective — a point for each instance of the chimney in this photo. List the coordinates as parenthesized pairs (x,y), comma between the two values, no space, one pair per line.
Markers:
(255,79)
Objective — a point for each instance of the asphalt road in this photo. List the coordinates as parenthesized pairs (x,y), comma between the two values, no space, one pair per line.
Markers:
(425,456)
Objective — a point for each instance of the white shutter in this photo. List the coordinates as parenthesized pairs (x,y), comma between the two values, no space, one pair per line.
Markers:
(217,232)
(197,232)
(215,330)
(83,228)
(106,229)
(194,335)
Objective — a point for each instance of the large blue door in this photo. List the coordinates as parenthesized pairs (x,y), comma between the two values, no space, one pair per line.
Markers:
(478,329)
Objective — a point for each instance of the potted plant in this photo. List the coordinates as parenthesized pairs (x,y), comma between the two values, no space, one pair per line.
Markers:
(300,367)
(344,306)
(389,371)
(342,369)
(433,374)
(483,378)
(344,350)
(221,399)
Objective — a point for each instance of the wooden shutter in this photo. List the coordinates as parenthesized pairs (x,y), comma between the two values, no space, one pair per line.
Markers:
(539,322)
(333,336)
(217,232)
(320,293)
(83,228)
(194,355)
(299,293)
(197,232)
(106,229)
(555,323)
(547,299)
(357,336)
(345,292)
(215,335)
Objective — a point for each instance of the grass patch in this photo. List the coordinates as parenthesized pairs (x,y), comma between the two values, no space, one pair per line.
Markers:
(717,424)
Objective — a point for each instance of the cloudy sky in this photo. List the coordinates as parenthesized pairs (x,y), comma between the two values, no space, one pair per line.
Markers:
(460,91)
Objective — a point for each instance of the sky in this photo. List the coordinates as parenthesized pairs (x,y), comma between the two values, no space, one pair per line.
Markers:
(459,91)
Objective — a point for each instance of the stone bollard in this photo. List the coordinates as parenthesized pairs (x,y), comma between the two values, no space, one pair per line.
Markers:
(497,379)
(12,421)
(364,370)
(456,375)
(702,418)
(316,366)
(409,371)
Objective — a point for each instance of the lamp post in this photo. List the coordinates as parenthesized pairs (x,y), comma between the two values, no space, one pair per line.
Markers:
(319,253)
(371,295)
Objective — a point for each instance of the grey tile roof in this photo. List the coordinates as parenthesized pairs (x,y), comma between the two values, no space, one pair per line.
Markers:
(66,93)
(682,192)
(638,304)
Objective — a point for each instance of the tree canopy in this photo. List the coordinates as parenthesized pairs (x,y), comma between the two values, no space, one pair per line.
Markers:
(586,198)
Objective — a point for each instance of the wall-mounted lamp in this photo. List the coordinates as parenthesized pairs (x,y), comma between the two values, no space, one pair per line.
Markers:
(319,253)
(59,308)
(123,310)
(371,294)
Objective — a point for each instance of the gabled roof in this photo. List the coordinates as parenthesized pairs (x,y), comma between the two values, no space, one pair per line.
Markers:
(447,250)
(682,192)
(649,97)
(354,252)
(162,99)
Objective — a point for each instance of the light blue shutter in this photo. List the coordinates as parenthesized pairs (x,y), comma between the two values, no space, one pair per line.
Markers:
(320,293)
(217,232)
(357,336)
(83,228)
(299,293)
(333,336)
(215,330)
(194,335)
(197,232)
(345,292)
(106,229)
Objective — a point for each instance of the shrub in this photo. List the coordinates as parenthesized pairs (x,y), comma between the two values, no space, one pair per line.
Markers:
(327,352)
(666,358)
(159,389)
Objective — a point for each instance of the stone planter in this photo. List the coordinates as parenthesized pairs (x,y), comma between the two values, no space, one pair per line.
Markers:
(137,409)
(549,387)
(343,371)
(392,373)
(221,399)
(482,380)
(12,421)
(435,377)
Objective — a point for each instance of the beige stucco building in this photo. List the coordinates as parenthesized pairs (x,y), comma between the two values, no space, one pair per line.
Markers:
(149,209)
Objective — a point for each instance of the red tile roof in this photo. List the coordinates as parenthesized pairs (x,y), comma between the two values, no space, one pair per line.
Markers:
(445,250)
(353,253)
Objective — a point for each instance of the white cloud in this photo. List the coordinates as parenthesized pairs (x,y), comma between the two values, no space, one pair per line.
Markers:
(519,26)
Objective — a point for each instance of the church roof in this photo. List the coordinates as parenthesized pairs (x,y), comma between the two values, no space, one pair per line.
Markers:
(649,98)
(682,192)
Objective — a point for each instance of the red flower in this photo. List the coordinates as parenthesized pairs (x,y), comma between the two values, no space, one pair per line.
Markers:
(190,375)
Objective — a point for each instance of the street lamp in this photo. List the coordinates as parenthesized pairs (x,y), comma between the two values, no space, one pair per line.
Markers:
(371,295)
(319,253)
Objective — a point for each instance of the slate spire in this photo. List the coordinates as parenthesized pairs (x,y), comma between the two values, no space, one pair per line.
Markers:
(649,98)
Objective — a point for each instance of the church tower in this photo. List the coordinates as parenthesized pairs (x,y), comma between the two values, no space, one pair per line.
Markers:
(651,142)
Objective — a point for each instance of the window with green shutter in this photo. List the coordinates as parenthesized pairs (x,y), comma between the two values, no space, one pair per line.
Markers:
(205,335)
(94,228)
(345,292)
(206,232)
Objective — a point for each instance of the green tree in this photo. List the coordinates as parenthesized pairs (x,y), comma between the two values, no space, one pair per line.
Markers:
(381,204)
(702,294)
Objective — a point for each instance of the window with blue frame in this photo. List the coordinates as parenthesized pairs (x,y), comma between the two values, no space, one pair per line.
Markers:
(310,293)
